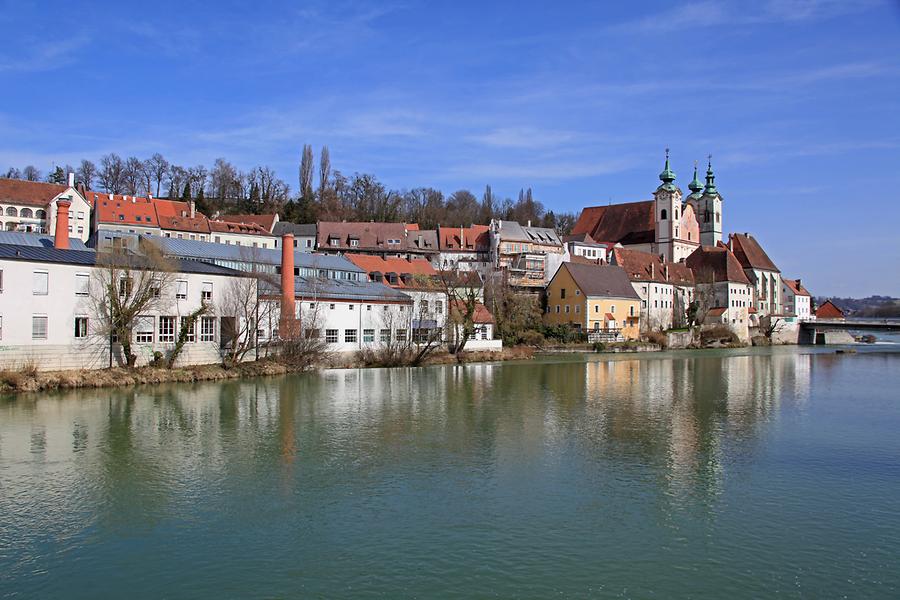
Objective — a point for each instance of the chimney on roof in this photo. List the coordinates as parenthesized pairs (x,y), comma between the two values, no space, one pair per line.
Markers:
(666,271)
(61,239)
(70,179)
(288,322)
(193,206)
(529,222)
(150,196)
(111,197)
(652,270)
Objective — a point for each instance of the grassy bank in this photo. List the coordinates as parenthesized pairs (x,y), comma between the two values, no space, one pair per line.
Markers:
(31,380)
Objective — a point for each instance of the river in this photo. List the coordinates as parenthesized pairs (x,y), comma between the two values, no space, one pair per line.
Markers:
(755,473)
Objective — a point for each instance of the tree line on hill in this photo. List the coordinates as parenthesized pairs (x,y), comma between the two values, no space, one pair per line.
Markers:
(323,194)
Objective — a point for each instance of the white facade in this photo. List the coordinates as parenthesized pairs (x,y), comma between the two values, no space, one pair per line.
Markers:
(42,219)
(243,239)
(47,317)
(767,291)
(660,302)
(796,305)
(736,299)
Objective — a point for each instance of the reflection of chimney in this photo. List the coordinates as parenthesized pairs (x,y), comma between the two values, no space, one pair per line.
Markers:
(70,180)
(287,321)
(61,240)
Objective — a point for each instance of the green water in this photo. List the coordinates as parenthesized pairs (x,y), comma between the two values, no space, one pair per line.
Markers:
(709,475)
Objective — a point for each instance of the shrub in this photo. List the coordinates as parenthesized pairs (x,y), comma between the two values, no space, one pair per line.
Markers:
(659,338)
(532,338)
(719,333)
(599,347)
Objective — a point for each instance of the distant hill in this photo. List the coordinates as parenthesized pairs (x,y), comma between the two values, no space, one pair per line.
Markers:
(874,306)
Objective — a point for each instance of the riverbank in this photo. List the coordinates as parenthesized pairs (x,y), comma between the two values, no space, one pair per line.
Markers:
(30,380)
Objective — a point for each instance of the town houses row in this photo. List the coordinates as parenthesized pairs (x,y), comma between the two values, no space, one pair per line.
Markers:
(625,269)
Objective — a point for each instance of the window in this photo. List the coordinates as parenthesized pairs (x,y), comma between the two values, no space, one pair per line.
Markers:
(567,308)
(207,329)
(369,307)
(331,336)
(577,292)
(82,283)
(187,327)
(1,280)
(167,329)
(663,215)
(577,308)
(308,243)
(143,329)
(350,307)
(181,289)
(125,285)
(401,335)
(612,308)
(40,283)
(368,335)
(39,327)
(206,290)
(331,307)
(631,310)
(562,293)
(385,336)
(424,306)
(354,243)
(349,336)
(596,308)
(557,309)
(81,327)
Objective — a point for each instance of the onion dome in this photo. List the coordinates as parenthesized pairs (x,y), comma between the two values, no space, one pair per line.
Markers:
(667,176)
(710,188)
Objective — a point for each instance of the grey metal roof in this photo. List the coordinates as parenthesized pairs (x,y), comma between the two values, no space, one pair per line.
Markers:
(245,254)
(36,239)
(605,281)
(310,288)
(304,229)
(89,258)
(513,231)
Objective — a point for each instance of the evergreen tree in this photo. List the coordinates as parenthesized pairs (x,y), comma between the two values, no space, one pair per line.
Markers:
(186,194)
(57,176)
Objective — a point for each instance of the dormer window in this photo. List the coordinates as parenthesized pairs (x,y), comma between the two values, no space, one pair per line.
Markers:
(354,243)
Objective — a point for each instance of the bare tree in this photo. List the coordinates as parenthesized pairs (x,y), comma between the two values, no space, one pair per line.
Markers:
(157,166)
(124,287)
(86,173)
(13,173)
(177,178)
(112,171)
(324,171)
(246,310)
(31,173)
(462,302)
(133,175)
(306,173)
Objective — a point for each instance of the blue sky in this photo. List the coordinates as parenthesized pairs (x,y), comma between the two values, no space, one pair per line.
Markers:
(798,101)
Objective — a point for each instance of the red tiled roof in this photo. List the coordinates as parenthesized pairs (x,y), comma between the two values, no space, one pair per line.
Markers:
(718,311)
(266,222)
(237,227)
(474,238)
(32,193)
(629,223)
(127,210)
(643,266)
(400,266)
(481,316)
(176,216)
(749,253)
(796,287)
(610,317)
(717,261)
(829,310)
(374,237)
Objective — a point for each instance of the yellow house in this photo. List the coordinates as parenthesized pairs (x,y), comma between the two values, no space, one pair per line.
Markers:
(593,298)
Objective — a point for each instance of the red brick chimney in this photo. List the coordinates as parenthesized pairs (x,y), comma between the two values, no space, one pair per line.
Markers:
(287,322)
(61,240)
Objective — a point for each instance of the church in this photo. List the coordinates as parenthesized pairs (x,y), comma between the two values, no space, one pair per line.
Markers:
(669,225)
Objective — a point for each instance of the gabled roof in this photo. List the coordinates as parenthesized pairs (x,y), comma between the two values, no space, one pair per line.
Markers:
(125,210)
(515,232)
(796,287)
(717,261)
(236,227)
(481,316)
(32,193)
(749,253)
(368,236)
(266,222)
(461,239)
(603,281)
(629,223)
(400,266)
(176,216)
(717,311)
(829,310)
(643,266)
(297,229)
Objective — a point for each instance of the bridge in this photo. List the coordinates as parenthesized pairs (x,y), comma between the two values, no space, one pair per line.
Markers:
(817,332)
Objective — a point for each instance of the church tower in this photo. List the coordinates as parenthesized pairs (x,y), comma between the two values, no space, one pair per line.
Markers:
(668,212)
(709,210)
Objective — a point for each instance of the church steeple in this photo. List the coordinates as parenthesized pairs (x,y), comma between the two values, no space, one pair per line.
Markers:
(667,176)
(710,188)
(695,186)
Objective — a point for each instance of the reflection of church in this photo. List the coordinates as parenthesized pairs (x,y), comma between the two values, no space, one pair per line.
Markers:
(669,225)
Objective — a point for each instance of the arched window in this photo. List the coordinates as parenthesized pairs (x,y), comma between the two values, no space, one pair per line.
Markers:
(676,214)
(41,214)
(718,217)
(26,213)
(12,212)
(663,215)
(10,226)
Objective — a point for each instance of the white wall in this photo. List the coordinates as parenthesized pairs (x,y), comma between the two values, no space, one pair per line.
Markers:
(64,302)
(243,239)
